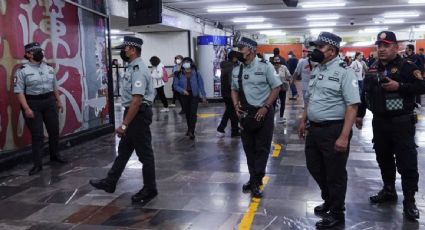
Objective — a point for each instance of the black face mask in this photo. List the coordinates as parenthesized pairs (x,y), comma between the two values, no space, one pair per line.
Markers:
(240,57)
(317,56)
(124,57)
(38,56)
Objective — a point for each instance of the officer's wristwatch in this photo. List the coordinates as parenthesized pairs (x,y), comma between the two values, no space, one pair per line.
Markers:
(123,127)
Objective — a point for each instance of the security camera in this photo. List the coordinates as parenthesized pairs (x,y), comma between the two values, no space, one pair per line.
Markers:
(352,22)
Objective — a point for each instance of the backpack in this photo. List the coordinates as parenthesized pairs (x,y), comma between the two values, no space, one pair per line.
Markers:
(164,74)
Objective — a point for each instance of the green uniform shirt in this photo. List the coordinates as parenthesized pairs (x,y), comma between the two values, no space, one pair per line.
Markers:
(137,80)
(35,79)
(331,89)
(258,80)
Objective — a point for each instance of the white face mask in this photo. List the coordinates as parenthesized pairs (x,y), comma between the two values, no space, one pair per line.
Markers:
(178,61)
(186,65)
(289,56)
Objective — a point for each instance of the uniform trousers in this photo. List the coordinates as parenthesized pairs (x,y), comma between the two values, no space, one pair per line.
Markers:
(256,145)
(394,144)
(45,110)
(137,137)
(326,166)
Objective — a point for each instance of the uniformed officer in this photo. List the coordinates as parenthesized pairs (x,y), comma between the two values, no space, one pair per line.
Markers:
(389,93)
(36,87)
(333,97)
(255,87)
(137,97)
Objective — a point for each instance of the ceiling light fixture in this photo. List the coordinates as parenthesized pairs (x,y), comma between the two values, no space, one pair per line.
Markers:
(259,26)
(373,29)
(227,9)
(321,24)
(322,17)
(318,31)
(366,43)
(388,21)
(243,20)
(114,31)
(321,4)
(416,1)
(272,32)
(402,14)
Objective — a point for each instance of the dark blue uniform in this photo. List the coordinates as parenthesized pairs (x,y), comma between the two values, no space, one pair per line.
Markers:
(394,125)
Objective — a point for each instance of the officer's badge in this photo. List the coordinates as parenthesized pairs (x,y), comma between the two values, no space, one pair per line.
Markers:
(136,67)
(418,74)
(334,79)
(320,77)
(394,70)
(138,84)
(383,36)
(246,76)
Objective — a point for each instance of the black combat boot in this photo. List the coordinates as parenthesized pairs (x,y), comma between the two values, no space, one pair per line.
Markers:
(410,210)
(387,194)
(246,188)
(331,220)
(103,184)
(321,209)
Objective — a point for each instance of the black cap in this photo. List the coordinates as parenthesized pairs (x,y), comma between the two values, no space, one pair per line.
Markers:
(326,38)
(386,37)
(232,54)
(130,41)
(247,42)
(32,46)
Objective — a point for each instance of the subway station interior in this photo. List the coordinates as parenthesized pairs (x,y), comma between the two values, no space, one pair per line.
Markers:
(203,177)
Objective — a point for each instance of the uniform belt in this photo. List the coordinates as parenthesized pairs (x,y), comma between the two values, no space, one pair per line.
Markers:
(143,105)
(400,118)
(325,123)
(38,97)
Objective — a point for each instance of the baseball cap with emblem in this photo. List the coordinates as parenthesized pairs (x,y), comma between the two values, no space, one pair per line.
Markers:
(246,42)
(326,38)
(130,41)
(386,37)
(32,46)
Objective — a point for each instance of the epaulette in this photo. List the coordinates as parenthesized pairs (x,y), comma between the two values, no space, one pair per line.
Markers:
(264,61)
(343,64)
(48,64)
(22,66)
(136,67)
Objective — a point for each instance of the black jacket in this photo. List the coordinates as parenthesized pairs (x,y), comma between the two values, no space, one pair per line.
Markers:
(226,78)
(403,71)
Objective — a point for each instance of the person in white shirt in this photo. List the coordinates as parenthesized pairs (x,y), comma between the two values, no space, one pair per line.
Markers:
(303,71)
(285,76)
(158,83)
(358,68)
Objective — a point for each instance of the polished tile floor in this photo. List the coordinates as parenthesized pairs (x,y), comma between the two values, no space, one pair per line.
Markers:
(199,184)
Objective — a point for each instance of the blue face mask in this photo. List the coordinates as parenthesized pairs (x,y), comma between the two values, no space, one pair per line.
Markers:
(186,65)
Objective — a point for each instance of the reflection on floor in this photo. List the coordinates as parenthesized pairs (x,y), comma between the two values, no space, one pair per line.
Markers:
(199,184)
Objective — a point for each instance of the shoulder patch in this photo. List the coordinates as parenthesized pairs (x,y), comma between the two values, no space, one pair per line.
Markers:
(343,64)
(418,75)
(136,67)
